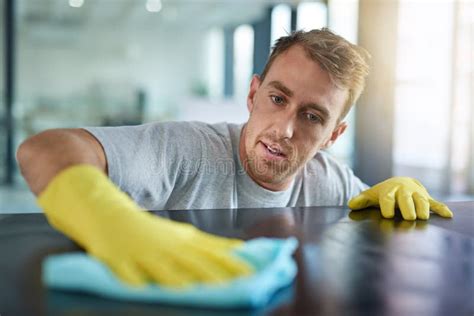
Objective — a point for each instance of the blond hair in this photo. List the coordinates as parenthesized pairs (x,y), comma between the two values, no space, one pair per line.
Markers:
(346,63)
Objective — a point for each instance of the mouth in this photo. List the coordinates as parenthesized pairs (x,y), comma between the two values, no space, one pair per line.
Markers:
(274,150)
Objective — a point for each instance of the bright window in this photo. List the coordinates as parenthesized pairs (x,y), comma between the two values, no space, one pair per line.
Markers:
(281,22)
(243,60)
(432,105)
(215,63)
(311,15)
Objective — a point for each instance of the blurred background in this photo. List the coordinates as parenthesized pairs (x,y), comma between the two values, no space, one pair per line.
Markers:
(72,63)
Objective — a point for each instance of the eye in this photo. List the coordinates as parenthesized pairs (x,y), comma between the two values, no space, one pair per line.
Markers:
(277,99)
(312,117)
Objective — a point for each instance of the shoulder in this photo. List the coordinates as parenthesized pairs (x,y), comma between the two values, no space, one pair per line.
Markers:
(213,140)
(326,170)
(324,161)
(325,167)
(173,140)
(189,128)
(216,138)
(179,133)
(168,129)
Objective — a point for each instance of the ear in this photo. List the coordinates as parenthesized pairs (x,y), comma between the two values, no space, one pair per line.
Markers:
(338,131)
(254,85)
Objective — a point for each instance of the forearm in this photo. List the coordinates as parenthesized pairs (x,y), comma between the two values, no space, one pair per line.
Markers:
(43,156)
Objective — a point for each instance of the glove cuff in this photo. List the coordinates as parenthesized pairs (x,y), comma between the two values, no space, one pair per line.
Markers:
(80,199)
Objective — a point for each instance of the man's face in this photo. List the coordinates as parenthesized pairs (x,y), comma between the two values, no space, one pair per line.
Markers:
(293,113)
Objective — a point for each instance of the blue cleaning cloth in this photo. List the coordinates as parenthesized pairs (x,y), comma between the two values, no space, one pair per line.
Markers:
(271,258)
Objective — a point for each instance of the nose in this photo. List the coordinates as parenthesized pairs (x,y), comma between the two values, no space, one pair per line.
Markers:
(284,126)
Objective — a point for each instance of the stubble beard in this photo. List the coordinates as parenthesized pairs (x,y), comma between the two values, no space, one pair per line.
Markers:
(267,171)
(271,172)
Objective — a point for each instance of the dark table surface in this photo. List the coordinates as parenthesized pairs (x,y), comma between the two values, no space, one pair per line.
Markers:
(348,263)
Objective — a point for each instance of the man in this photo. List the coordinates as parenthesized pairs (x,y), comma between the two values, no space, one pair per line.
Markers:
(296,109)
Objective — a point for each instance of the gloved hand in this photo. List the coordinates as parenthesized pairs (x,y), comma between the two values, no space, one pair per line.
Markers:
(139,247)
(408,194)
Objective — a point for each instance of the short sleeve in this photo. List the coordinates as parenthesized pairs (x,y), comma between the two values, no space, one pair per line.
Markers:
(149,161)
(328,182)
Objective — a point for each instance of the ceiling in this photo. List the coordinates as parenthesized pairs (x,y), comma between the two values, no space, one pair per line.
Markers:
(133,14)
(43,22)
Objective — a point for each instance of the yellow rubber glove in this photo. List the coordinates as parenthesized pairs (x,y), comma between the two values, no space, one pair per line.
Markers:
(138,246)
(408,194)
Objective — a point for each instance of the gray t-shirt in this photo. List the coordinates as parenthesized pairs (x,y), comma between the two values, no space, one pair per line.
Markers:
(194,165)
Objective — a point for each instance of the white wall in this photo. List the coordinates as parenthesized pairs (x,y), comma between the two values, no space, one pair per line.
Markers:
(107,67)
